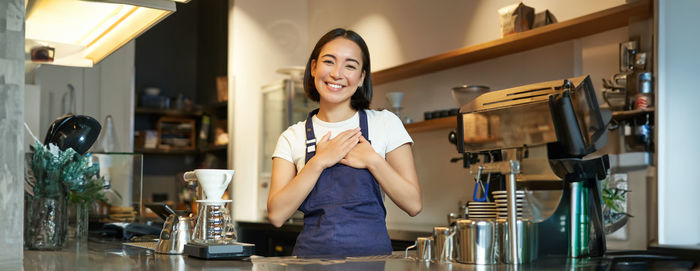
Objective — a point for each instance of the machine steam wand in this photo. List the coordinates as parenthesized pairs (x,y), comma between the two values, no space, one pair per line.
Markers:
(510,168)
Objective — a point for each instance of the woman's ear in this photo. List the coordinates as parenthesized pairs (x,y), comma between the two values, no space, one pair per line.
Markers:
(313,68)
(362,79)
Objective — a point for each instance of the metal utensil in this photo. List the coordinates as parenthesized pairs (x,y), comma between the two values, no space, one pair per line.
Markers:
(177,232)
(527,241)
(476,241)
(423,247)
(170,210)
(443,244)
(479,184)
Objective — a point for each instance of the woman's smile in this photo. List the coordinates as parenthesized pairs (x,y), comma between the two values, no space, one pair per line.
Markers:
(334,86)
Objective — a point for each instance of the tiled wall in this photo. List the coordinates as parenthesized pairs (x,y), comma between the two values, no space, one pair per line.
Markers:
(11,132)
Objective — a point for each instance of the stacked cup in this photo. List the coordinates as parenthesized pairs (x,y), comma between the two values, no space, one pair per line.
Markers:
(477,210)
(501,198)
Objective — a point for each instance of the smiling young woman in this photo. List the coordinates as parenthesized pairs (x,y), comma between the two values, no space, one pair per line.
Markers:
(337,75)
(338,181)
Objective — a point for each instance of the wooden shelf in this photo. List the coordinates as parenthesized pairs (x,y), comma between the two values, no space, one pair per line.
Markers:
(433,124)
(628,114)
(546,35)
(164,151)
(168,112)
(216,105)
(212,148)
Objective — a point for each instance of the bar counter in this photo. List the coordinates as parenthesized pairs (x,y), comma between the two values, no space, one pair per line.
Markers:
(113,255)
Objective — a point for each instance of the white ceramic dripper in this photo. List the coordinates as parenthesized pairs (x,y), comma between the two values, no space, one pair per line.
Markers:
(395,99)
(212,181)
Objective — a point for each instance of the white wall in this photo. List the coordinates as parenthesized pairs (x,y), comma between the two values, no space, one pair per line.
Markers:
(105,89)
(263,36)
(399,31)
(678,125)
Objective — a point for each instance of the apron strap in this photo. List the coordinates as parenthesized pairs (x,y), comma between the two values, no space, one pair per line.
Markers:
(363,125)
(310,137)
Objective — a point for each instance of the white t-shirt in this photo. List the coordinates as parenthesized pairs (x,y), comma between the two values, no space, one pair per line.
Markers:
(386,133)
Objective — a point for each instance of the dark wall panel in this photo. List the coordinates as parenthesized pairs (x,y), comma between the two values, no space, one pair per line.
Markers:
(166,55)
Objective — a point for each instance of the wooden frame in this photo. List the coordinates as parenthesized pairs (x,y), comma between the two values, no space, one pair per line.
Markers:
(191,132)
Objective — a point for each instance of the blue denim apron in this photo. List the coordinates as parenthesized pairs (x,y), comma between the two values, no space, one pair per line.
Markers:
(344,214)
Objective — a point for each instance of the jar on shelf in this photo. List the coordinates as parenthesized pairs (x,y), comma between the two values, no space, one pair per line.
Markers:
(645,96)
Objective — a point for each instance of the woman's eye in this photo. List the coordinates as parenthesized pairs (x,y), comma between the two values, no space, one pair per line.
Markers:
(328,61)
(351,67)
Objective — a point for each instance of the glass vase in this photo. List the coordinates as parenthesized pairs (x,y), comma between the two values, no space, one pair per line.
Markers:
(77,226)
(44,223)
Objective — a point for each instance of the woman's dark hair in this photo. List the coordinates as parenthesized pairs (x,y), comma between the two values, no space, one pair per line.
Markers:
(363,96)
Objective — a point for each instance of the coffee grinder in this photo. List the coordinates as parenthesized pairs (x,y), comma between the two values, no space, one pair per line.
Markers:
(537,140)
(214,236)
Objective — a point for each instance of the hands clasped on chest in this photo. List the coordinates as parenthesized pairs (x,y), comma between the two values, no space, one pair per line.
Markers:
(349,148)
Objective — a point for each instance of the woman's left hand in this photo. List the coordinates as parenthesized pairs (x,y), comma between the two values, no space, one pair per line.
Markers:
(361,155)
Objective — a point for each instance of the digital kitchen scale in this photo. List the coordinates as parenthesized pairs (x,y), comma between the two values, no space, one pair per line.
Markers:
(231,251)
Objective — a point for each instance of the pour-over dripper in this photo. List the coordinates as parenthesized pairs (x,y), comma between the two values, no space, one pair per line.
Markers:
(212,181)
(395,99)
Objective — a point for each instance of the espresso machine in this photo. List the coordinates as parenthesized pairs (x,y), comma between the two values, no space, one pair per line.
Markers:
(536,138)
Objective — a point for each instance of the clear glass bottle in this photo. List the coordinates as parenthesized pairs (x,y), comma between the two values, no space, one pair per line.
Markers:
(107,140)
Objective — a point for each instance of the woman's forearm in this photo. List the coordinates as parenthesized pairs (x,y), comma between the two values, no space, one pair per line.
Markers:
(282,204)
(398,179)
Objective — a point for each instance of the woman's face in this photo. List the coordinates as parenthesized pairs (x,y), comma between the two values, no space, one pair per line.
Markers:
(338,70)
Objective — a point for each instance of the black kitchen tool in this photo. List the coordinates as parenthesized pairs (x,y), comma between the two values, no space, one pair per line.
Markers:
(73,131)
(161,209)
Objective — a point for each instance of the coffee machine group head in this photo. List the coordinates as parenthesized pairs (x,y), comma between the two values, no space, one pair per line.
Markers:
(536,137)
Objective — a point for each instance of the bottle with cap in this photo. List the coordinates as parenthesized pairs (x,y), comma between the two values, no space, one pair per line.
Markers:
(641,128)
(645,96)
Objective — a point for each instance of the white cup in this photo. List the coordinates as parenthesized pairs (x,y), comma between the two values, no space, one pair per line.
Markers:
(213,181)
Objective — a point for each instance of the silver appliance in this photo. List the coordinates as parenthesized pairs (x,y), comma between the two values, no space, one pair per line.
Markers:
(176,232)
(536,138)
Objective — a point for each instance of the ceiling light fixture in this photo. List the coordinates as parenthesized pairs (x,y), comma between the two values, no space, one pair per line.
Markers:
(83,32)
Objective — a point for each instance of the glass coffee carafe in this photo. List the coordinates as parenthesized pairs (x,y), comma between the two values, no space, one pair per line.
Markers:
(214,224)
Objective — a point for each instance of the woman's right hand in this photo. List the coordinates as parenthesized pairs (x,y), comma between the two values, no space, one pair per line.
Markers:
(330,151)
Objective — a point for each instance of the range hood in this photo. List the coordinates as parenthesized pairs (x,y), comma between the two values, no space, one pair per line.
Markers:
(83,32)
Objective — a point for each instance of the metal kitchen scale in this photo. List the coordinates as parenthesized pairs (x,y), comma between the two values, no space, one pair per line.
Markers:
(231,251)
